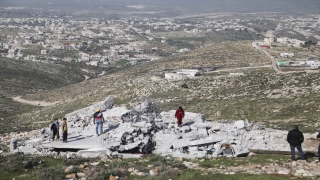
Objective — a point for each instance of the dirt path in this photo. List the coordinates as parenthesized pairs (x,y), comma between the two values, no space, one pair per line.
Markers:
(35,103)
(273,61)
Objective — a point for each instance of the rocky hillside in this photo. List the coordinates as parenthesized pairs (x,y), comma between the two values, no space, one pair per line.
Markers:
(18,78)
(255,93)
(24,77)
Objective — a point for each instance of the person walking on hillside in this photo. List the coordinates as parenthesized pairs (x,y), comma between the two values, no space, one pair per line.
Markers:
(64,128)
(295,138)
(179,115)
(55,129)
(98,120)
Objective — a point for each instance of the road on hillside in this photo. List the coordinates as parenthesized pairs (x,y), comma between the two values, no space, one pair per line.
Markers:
(273,61)
(34,103)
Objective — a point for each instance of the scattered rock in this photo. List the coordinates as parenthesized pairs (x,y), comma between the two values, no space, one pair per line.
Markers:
(95,163)
(68,169)
(73,175)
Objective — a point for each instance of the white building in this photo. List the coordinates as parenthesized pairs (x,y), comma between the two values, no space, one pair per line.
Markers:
(27,41)
(313,63)
(285,54)
(92,63)
(189,72)
(114,54)
(269,40)
(175,76)
(43,51)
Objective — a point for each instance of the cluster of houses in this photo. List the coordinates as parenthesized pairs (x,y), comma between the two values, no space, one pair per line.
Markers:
(99,41)
(51,38)
(266,44)
(311,63)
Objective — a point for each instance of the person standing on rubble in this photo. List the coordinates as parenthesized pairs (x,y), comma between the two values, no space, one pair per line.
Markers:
(55,129)
(98,120)
(295,138)
(64,128)
(179,115)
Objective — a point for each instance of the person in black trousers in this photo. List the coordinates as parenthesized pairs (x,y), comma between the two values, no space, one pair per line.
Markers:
(318,138)
(64,130)
(295,139)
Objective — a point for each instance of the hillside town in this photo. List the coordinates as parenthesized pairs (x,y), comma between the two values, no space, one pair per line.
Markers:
(101,42)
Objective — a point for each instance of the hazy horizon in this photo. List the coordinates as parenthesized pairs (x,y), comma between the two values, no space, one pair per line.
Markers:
(286,6)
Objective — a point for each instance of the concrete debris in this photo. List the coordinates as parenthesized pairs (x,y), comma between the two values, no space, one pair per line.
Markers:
(71,155)
(147,111)
(145,129)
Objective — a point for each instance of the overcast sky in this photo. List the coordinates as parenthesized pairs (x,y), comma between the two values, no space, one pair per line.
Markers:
(292,6)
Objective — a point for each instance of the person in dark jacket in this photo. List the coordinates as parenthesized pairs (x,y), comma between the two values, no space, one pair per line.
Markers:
(318,138)
(179,115)
(98,120)
(295,139)
(55,129)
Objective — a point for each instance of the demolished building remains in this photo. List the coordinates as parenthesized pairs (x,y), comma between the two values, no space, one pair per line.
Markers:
(145,129)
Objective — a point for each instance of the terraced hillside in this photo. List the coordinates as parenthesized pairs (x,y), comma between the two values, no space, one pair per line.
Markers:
(255,93)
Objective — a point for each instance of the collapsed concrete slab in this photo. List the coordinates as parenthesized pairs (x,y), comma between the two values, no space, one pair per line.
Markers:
(144,129)
(164,142)
(179,143)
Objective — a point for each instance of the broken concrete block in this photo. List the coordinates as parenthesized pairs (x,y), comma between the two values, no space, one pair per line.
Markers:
(35,142)
(164,142)
(144,130)
(202,125)
(91,153)
(129,146)
(196,135)
(239,124)
(179,143)
(141,136)
(193,148)
(108,102)
(28,149)
(140,124)
(127,155)
(185,129)
(71,155)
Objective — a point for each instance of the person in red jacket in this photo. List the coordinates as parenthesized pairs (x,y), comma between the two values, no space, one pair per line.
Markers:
(179,115)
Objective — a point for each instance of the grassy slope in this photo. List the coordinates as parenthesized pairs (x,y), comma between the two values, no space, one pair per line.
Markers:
(22,77)
(19,166)
(279,100)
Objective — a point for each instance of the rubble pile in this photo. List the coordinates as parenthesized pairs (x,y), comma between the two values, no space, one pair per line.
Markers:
(145,129)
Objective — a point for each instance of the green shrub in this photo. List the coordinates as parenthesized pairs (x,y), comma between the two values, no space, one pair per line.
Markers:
(17,162)
(50,173)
